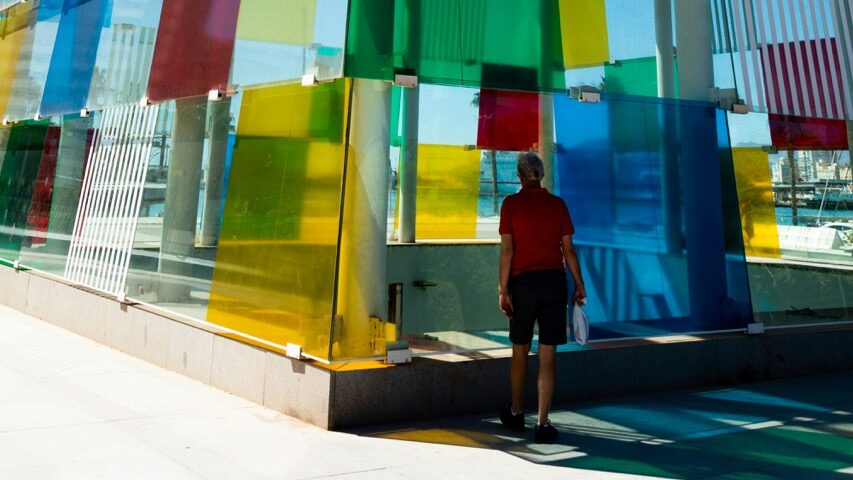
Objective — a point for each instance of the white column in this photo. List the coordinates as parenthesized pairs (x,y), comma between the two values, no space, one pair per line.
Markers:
(362,286)
(663,42)
(694,39)
(546,139)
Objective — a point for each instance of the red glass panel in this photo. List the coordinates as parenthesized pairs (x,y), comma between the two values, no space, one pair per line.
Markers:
(39,214)
(802,133)
(508,120)
(195,42)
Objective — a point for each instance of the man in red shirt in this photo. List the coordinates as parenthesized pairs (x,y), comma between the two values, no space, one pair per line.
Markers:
(536,241)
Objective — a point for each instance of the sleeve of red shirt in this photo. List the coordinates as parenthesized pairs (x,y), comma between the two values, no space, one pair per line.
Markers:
(505,227)
(566,225)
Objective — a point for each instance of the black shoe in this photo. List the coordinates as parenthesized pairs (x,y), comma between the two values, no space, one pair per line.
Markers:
(510,421)
(545,433)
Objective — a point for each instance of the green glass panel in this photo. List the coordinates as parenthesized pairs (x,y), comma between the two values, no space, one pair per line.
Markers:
(494,43)
(18,175)
(635,77)
(48,251)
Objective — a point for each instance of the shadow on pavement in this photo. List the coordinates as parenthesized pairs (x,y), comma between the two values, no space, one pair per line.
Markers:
(796,428)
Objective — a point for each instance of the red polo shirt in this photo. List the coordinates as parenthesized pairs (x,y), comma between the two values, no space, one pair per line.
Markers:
(537,222)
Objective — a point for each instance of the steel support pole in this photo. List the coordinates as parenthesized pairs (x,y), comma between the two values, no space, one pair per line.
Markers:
(408,172)
(183,187)
(701,185)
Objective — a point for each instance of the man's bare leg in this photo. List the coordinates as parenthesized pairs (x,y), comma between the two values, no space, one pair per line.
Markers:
(518,374)
(547,368)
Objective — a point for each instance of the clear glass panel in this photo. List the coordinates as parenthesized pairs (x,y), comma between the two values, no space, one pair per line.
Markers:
(280,41)
(73,61)
(57,194)
(195,42)
(631,28)
(799,264)
(177,231)
(274,275)
(124,54)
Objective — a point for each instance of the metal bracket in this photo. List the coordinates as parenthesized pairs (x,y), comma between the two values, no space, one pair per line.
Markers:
(294,351)
(756,328)
(406,81)
(423,284)
(398,352)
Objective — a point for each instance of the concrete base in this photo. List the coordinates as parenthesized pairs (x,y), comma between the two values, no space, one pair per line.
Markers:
(336,398)
(292,387)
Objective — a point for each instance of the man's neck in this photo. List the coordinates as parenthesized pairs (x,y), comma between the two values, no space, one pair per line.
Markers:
(528,184)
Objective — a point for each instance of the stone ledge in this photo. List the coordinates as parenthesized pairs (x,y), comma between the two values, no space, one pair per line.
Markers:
(337,398)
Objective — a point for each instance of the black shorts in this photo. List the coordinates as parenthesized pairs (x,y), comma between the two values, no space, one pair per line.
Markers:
(542,296)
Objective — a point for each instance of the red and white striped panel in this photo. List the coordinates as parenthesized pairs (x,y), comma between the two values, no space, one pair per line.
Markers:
(800,64)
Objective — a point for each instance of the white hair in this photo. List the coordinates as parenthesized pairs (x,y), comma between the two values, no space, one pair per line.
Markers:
(530,167)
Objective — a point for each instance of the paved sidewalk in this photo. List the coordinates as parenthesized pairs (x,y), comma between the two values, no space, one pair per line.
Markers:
(73,409)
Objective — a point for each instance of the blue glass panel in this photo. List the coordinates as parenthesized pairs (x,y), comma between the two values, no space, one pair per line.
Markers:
(73,60)
(650,186)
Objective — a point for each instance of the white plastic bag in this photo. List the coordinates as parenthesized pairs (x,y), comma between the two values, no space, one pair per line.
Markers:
(580,324)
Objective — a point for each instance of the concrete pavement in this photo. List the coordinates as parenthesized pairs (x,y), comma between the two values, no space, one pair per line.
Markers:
(73,409)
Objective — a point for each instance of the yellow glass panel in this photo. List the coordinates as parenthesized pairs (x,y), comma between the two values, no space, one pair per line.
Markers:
(13,31)
(448,186)
(274,274)
(289,22)
(755,197)
(583,24)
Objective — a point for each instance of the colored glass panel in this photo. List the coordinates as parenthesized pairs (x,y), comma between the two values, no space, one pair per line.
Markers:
(508,120)
(632,77)
(805,79)
(274,275)
(39,214)
(494,44)
(635,77)
(16,32)
(448,188)
(195,41)
(279,41)
(789,132)
(18,174)
(33,61)
(755,198)
(123,60)
(652,221)
(261,20)
(72,64)
(584,32)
